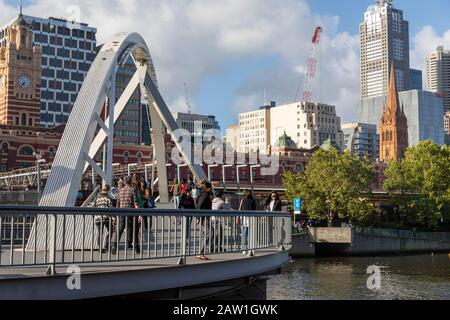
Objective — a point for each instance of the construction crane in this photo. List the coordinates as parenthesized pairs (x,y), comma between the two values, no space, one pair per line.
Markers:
(310,70)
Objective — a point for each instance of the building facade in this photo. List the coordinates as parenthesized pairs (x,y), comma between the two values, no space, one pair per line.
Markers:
(447,122)
(188,121)
(438,74)
(423,110)
(362,140)
(416,79)
(384,37)
(68,50)
(309,124)
(393,126)
(254,130)
(20,77)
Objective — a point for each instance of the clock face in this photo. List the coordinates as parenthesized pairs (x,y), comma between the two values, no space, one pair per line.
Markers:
(25,81)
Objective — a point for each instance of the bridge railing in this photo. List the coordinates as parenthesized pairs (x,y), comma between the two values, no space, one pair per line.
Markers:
(41,236)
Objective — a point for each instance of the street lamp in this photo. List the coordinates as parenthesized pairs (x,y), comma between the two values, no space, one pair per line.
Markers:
(39,161)
(224,180)
(252,182)
(209,170)
(238,176)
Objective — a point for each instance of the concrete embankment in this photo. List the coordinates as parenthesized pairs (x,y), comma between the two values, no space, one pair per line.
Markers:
(366,242)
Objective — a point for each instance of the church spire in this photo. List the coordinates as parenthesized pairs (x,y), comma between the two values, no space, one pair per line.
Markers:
(393,101)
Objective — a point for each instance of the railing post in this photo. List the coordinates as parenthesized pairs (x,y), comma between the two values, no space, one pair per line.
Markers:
(182,260)
(251,236)
(51,270)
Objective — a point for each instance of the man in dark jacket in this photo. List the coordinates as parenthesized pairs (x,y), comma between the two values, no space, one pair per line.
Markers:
(273,204)
(205,203)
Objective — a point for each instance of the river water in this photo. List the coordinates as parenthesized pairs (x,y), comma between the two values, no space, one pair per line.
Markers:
(401,277)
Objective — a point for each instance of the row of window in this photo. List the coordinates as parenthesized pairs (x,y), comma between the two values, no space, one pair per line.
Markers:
(63,31)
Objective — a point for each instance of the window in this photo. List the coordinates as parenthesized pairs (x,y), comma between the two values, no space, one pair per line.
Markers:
(126,156)
(26,151)
(23,120)
(5,148)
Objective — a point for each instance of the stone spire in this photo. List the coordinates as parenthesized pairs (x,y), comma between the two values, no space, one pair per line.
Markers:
(393,105)
(394,125)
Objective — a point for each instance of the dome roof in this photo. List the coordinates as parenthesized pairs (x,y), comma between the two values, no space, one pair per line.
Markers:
(285,142)
(328,144)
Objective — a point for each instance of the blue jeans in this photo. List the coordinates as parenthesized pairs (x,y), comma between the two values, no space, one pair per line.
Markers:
(244,237)
(176,201)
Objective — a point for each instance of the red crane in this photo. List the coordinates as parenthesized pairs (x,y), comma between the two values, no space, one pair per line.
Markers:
(310,72)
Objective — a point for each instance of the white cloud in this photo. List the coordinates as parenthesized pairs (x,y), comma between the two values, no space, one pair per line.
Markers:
(425,41)
(191,40)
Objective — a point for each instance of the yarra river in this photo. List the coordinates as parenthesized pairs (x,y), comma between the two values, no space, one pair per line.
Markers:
(402,277)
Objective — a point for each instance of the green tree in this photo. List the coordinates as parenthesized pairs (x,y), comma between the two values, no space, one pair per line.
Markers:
(422,178)
(334,185)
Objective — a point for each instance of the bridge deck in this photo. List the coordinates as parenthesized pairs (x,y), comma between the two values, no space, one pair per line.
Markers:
(117,266)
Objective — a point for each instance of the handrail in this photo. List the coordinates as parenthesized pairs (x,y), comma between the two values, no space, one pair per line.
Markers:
(52,236)
(25,210)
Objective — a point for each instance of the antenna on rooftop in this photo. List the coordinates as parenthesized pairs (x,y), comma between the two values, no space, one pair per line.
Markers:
(188,106)
(20,9)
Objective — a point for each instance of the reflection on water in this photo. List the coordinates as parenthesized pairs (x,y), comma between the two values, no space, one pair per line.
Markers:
(409,277)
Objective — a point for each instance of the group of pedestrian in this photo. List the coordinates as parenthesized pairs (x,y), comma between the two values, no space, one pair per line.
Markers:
(132,193)
(127,193)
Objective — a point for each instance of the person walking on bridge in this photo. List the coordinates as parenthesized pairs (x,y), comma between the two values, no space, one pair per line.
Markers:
(273,204)
(127,200)
(103,222)
(218,204)
(205,203)
(248,203)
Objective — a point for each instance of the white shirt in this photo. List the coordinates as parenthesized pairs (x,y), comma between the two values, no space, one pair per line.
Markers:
(272,204)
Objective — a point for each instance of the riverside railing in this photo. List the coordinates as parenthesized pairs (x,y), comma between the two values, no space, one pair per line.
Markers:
(57,236)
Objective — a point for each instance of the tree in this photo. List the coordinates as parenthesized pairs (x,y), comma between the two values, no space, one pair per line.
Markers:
(423,176)
(333,185)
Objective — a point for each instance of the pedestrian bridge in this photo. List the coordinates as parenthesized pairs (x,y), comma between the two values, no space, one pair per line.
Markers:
(72,265)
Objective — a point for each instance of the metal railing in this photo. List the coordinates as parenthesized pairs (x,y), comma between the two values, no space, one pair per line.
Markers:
(55,236)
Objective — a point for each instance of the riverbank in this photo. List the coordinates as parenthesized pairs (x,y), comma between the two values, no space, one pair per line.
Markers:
(371,242)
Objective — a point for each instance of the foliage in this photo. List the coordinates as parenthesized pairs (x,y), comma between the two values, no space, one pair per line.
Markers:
(422,180)
(333,185)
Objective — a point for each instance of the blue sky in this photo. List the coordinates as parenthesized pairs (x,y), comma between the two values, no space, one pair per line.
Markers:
(225,71)
(350,12)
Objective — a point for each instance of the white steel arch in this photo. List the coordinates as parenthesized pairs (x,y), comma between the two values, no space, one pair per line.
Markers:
(79,144)
(81,141)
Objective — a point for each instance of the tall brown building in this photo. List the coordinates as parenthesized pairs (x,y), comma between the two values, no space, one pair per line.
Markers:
(20,77)
(394,126)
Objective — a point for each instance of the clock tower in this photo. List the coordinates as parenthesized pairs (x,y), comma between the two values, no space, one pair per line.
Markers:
(20,77)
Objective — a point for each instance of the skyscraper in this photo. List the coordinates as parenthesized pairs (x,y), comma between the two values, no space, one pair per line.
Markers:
(384,38)
(438,74)
(416,79)
(68,50)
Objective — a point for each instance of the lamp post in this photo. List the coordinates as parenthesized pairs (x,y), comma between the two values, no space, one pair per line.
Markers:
(39,161)
(224,179)
(252,182)
(238,176)
(209,170)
